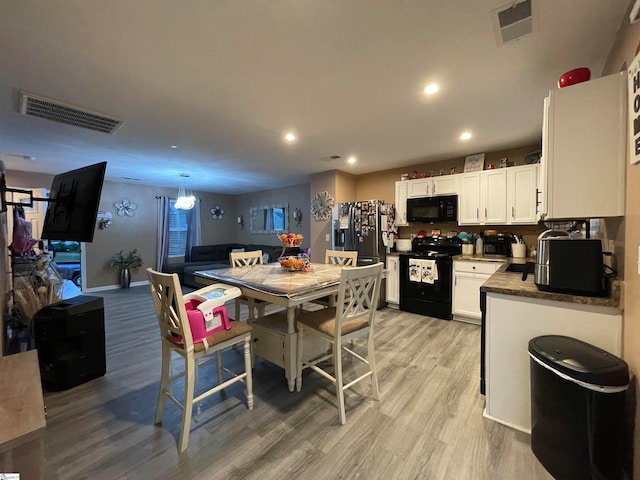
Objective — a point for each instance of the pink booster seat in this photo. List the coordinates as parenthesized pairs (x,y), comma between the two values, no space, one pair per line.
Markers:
(207,322)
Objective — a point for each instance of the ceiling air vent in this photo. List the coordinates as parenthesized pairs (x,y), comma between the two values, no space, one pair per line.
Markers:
(331,158)
(513,21)
(50,109)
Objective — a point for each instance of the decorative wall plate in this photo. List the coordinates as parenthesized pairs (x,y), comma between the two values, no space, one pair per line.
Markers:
(217,212)
(321,205)
(125,207)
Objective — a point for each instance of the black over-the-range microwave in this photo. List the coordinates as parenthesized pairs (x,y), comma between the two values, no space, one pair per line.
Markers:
(433,209)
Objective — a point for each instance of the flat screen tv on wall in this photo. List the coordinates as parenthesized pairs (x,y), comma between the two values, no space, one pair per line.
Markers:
(73,206)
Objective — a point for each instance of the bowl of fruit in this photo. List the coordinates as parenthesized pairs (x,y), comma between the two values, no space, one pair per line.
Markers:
(291,239)
(295,263)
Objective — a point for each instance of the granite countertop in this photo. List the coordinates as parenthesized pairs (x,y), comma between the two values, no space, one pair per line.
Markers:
(510,283)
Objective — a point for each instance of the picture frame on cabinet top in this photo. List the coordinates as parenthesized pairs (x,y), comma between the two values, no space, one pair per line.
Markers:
(474,163)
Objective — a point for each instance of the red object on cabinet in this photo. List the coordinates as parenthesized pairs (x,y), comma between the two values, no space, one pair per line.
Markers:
(574,76)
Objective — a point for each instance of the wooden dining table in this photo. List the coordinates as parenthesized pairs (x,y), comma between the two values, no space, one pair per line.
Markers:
(279,286)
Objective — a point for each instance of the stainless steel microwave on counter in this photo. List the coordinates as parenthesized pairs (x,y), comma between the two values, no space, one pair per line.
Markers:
(433,209)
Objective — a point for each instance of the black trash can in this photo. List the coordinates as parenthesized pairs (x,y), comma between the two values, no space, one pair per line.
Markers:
(578,425)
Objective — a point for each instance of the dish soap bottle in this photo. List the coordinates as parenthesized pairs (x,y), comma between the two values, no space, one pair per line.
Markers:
(479,247)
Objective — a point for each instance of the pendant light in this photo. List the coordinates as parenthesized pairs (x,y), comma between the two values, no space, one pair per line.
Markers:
(185,200)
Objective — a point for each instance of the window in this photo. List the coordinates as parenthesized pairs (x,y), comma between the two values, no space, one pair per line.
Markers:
(178,227)
(278,219)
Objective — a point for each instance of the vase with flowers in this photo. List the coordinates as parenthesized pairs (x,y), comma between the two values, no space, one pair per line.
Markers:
(126,262)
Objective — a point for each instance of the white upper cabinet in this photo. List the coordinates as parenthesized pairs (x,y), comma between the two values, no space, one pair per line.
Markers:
(445,185)
(401,203)
(483,198)
(584,149)
(522,192)
(493,196)
(498,197)
(469,199)
(430,186)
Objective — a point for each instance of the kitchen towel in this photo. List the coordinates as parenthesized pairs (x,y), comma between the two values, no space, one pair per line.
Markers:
(429,271)
(415,270)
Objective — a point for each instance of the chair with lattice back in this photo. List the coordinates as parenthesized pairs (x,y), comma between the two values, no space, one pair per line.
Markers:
(175,334)
(337,257)
(352,318)
(247,259)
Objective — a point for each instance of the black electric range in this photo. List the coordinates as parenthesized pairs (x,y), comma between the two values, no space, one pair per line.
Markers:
(428,294)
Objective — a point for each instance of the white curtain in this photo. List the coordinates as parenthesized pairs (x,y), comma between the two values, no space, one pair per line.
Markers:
(162,240)
(194,232)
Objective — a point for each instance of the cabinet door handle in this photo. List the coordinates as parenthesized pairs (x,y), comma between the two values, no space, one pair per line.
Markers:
(434,188)
(427,189)
(513,212)
(478,213)
(485,213)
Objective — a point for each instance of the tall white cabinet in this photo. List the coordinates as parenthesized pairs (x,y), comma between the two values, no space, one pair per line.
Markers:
(584,149)
(393,280)
(401,203)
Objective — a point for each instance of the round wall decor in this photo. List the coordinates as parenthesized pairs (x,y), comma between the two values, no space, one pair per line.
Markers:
(321,205)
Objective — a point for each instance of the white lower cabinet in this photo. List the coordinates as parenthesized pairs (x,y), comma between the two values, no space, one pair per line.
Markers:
(269,340)
(393,280)
(512,321)
(468,277)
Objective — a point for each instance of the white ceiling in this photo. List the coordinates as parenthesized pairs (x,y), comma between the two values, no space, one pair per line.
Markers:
(224,80)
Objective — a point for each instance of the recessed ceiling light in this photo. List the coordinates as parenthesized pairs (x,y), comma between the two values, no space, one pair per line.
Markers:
(465,136)
(290,137)
(351,159)
(174,146)
(431,89)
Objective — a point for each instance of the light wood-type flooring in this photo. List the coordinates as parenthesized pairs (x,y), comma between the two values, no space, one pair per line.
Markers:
(428,423)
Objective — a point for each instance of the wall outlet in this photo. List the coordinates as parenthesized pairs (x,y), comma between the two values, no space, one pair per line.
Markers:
(327,237)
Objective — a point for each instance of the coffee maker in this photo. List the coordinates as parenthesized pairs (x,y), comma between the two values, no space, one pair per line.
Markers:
(497,245)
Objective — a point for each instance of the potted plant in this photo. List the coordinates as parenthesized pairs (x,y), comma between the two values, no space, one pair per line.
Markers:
(126,262)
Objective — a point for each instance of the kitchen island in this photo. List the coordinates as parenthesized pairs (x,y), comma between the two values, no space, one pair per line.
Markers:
(515,311)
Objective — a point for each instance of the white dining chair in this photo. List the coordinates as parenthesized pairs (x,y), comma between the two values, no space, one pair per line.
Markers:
(345,258)
(175,334)
(247,259)
(352,318)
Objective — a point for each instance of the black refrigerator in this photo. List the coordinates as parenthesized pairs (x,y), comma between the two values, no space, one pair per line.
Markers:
(366,227)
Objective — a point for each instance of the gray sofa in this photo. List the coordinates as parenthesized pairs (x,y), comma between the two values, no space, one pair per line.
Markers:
(210,257)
